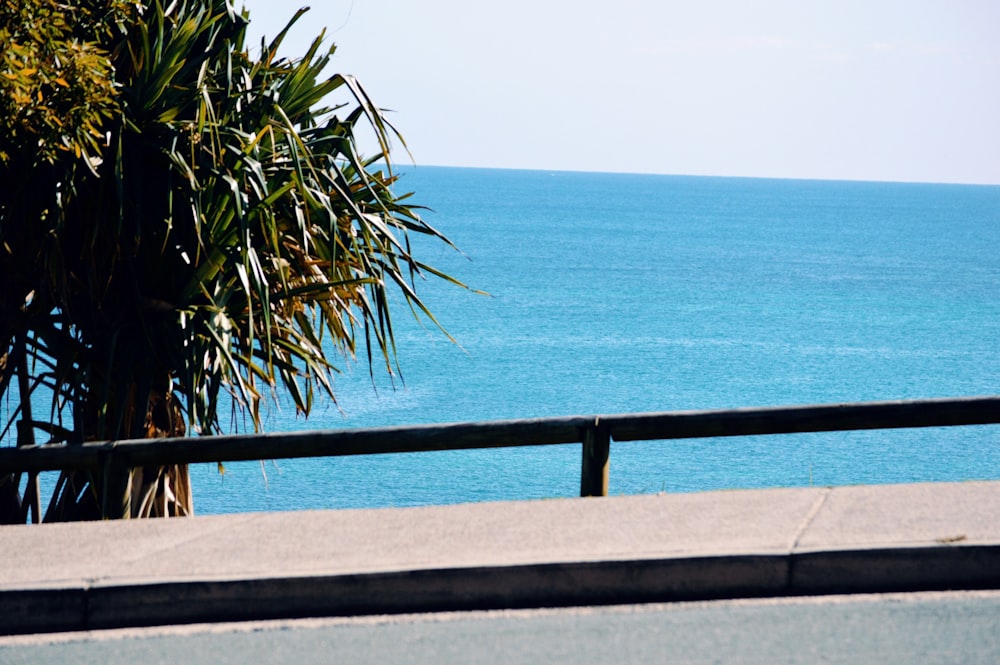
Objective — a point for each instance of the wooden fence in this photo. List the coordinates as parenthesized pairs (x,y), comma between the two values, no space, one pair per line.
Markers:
(595,433)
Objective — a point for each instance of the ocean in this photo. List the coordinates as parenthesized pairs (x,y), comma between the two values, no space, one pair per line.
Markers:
(616,293)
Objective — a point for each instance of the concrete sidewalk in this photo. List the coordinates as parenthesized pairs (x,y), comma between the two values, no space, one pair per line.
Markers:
(549,553)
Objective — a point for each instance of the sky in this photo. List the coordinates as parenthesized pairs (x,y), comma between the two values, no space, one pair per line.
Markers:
(898,90)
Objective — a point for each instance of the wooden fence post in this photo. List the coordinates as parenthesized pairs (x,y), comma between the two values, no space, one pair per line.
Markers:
(596,453)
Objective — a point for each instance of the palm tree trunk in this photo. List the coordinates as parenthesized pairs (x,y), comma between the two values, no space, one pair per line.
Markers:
(129,492)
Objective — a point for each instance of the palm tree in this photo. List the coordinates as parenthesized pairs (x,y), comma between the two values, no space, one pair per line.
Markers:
(207,234)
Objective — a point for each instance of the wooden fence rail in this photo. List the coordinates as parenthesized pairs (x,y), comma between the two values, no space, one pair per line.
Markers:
(595,433)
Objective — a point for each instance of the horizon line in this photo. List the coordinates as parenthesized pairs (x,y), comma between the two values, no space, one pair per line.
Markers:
(704,175)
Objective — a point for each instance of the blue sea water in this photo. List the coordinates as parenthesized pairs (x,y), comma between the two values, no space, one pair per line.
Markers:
(613,293)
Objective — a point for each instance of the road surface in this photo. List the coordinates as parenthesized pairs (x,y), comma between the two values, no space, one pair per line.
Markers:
(933,627)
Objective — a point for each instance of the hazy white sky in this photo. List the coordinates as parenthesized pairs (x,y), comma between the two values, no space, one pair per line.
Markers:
(847,89)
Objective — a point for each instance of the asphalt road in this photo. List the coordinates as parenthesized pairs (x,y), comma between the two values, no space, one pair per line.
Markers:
(954,627)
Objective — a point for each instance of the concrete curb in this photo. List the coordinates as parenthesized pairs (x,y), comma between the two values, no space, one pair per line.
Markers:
(505,587)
